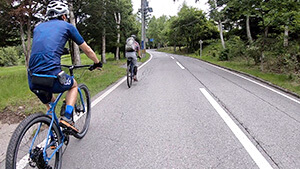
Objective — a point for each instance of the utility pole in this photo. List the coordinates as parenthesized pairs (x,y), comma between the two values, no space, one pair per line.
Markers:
(143,44)
(145,9)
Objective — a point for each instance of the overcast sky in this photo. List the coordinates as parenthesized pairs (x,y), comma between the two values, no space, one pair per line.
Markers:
(169,7)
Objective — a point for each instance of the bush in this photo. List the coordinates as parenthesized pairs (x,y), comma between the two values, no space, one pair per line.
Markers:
(224,55)
(9,56)
(254,52)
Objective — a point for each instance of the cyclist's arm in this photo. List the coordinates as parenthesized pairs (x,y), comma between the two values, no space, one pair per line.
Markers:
(139,53)
(89,52)
(138,50)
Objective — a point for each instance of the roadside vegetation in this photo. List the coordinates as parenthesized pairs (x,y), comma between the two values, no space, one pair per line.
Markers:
(261,38)
(290,81)
(16,96)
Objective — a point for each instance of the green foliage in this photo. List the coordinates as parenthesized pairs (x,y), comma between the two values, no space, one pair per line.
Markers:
(15,91)
(9,56)
(284,60)
(224,55)
(99,15)
(157,30)
(253,52)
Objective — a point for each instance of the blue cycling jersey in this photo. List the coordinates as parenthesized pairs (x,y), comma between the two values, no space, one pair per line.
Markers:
(49,39)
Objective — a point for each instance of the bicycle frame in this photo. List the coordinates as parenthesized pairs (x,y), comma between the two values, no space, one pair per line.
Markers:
(51,112)
(130,64)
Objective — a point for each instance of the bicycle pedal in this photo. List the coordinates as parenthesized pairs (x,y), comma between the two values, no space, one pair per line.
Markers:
(69,126)
(53,147)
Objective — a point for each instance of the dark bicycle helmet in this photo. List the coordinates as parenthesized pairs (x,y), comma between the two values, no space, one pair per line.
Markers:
(57,8)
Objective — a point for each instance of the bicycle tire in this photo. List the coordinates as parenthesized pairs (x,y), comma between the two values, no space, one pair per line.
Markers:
(129,75)
(82,117)
(19,143)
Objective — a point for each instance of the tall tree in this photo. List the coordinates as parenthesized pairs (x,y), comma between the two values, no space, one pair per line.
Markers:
(9,34)
(216,14)
(93,23)
(23,14)
(75,53)
(118,22)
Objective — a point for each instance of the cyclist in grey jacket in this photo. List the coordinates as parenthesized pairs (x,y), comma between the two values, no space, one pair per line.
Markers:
(133,55)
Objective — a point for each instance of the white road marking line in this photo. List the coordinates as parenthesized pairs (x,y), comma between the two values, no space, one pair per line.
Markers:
(172,57)
(262,85)
(250,148)
(96,101)
(24,161)
(180,65)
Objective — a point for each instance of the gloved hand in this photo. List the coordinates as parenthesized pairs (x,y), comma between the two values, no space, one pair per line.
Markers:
(95,65)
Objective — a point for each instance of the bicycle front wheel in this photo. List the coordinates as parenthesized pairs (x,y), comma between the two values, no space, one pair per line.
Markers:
(129,76)
(82,113)
(26,146)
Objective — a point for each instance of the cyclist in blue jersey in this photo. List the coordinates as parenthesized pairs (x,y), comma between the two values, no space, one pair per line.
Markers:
(49,39)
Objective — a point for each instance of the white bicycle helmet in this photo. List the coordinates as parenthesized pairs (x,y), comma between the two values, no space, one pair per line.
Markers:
(56,8)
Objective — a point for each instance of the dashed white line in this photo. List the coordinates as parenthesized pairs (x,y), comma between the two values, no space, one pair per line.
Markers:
(180,65)
(172,57)
(244,140)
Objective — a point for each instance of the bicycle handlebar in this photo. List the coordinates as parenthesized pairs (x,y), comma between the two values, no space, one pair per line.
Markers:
(75,66)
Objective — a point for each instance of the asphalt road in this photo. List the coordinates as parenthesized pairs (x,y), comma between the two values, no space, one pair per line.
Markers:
(185,113)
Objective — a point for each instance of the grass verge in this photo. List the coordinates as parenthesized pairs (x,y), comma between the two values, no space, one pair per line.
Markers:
(16,96)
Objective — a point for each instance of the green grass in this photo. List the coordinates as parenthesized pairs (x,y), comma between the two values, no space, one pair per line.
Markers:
(289,82)
(15,92)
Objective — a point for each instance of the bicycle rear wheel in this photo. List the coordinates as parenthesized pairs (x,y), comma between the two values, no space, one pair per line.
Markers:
(129,75)
(33,131)
(82,113)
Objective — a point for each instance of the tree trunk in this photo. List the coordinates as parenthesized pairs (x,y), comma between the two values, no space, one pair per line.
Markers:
(175,47)
(75,53)
(286,36)
(248,29)
(221,34)
(262,61)
(263,49)
(103,58)
(118,22)
(23,44)
(28,39)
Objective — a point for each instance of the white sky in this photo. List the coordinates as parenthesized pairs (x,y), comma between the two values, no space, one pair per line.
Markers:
(169,7)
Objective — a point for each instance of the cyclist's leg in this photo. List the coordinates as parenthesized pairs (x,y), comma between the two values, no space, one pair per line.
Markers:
(71,86)
(72,94)
(134,62)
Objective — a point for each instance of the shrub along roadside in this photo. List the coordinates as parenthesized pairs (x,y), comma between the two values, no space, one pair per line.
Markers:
(16,96)
(288,81)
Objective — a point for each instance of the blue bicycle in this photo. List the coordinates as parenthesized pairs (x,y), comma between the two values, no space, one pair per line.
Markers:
(39,139)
